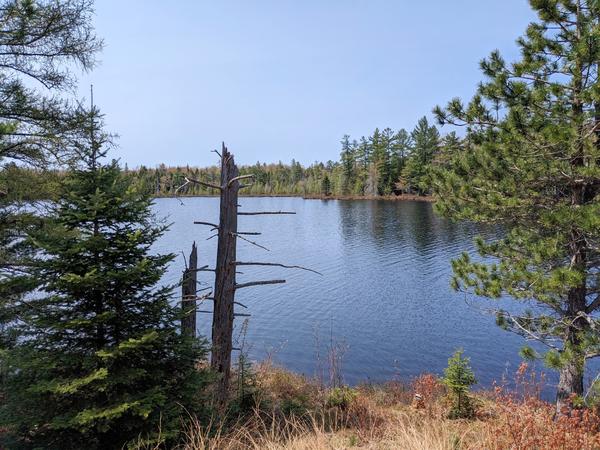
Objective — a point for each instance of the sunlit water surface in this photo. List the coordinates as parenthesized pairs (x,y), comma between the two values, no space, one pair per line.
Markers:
(383,296)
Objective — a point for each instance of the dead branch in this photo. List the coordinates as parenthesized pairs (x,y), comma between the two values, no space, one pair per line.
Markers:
(241,315)
(214,225)
(257,283)
(241,177)
(198,298)
(285,266)
(248,233)
(182,186)
(251,242)
(202,183)
(260,213)
(201,269)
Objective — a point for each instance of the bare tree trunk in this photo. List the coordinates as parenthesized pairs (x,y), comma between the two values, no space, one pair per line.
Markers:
(188,295)
(222,327)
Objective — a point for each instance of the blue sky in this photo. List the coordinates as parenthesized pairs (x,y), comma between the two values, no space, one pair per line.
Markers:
(282,79)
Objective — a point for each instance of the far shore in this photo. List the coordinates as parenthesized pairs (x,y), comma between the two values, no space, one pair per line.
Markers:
(395,198)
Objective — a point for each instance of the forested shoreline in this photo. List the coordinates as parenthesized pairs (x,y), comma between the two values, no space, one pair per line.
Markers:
(385,164)
(93,350)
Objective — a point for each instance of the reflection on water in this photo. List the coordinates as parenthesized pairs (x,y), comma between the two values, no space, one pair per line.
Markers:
(384,291)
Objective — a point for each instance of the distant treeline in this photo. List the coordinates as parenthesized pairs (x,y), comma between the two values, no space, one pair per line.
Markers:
(384,163)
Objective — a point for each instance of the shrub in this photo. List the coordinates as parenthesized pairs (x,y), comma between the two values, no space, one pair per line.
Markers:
(341,397)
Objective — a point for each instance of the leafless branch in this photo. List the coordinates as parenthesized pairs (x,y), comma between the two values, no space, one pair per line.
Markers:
(251,242)
(241,263)
(260,213)
(241,177)
(258,283)
(202,183)
(214,225)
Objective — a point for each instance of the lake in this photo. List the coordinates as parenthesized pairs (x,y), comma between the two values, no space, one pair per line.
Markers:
(383,296)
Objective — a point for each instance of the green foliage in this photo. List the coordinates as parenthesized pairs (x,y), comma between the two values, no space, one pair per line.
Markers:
(458,378)
(530,162)
(384,163)
(40,44)
(341,397)
(426,144)
(248,395)
(325,185)
(98,360)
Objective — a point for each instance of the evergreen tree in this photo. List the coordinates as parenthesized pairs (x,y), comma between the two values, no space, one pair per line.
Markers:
(458,378)
(40,42)
(425,146)
(378,164)
(530,161)
(347,159)
(99,360)
(325,185)
(401,148)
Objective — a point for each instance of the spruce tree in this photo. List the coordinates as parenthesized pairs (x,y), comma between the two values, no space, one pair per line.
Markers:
(458,378)
(98,360)
(530,161)
(41,42)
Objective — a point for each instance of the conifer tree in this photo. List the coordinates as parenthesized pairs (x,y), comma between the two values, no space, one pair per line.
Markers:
(98,360)
(347,160)
(425,146)
(41,42)
(401,148)
(458,378)
(325,185)
(530,161)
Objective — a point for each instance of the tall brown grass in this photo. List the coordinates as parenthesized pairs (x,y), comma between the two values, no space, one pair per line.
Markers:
(382,417)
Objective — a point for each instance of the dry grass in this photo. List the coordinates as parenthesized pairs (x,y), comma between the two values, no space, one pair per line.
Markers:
(385,417)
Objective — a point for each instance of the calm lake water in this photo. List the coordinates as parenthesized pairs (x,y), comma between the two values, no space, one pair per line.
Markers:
(384,294)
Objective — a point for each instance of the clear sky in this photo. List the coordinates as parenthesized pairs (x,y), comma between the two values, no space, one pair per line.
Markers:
(284,79)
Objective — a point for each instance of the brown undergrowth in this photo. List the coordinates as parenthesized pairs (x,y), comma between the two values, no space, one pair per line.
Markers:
(290,411)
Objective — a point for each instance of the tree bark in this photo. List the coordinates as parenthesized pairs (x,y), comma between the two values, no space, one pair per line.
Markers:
(571,374)
(223,314)
(188,294)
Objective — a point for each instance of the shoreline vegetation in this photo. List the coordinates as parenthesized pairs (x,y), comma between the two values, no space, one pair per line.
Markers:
(276,409)
(93,353)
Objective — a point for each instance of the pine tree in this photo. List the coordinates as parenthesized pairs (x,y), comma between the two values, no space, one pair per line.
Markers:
(363,159)
(379,162)
(347,160)
(425,146)
(99,360)
(530,161)
(401,149)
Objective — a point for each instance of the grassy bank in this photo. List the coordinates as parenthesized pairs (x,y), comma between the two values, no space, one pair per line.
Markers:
(282,410)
